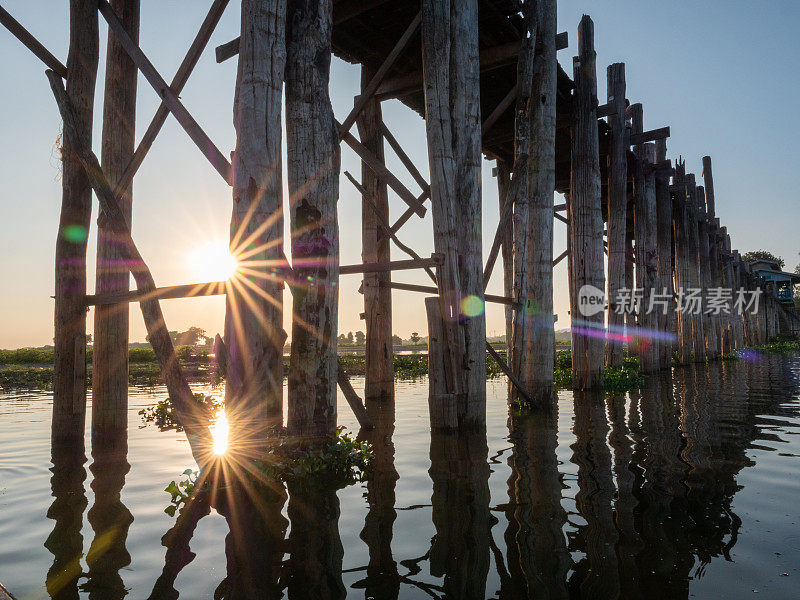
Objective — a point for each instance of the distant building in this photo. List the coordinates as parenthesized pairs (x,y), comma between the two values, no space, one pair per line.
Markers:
(773,280)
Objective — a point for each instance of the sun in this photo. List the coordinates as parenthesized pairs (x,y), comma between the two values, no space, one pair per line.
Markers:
(212,261)
(219,433)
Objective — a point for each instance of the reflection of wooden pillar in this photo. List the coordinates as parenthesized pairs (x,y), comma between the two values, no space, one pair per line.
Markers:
(617,206)
(452,111)
(537,555)
(313,168)
(540,339)
(586,219)
(254,312)
(69,369)
(382,577)
(379,357)
(315,548)
(110,519)
(460,511)
(65,542)
(110,371)
(598,572)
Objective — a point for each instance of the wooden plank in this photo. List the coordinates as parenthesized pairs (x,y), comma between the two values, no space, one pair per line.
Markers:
(355,402)
(560,257)
(227,50)
(187,412)
(384,224)
(377,78)
(428,289)
(382,172)
(561,218)
(31,43)
(653,135)
(515,381)
(192,290)
(499,110)
(405,159)
(192,128)
(178,82)
(435,260)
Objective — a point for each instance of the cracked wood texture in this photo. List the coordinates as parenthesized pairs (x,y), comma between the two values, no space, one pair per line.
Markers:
(586,218)
(111,321)
(617,205)
(540,339)
(379,355)
(452,117)
(666,322)
(69,379)
(254,332)
(313,169)
(709,326)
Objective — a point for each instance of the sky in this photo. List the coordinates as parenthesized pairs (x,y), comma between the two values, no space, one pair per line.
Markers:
(721,73)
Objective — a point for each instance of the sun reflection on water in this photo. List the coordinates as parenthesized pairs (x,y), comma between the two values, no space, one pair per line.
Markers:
(219,431)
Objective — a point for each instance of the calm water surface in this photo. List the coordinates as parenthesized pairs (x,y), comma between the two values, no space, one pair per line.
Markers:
(688,488)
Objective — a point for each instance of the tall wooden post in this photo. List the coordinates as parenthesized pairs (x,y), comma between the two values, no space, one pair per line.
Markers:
(696,317)
(540,339)
(709,329)
(713,247)
(617,206)
(644,230)
(254,308)
(507,247)
(680,228)
(69,377)
(110,373)
(667,321)
(738,319)
(586,219)
(379,356)
(452,119)
(728,282)
(313,169)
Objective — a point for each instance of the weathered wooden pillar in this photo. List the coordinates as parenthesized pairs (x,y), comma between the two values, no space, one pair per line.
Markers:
(617,206)
(452,119)
(727,272)
(313,168)
(706,281)
(254,310)
(69,376)
(110,356)
(738,318)
(586,219)
(680,230)
(379,356)
(713,247)
(667,320)
(644,216)
(507,247)
(696,317)
(540,339)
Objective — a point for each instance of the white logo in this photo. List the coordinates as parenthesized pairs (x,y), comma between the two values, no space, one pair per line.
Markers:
(591,300)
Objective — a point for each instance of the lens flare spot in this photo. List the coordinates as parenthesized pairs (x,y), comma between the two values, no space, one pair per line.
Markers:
(219,432)
(472,306)
(75,233)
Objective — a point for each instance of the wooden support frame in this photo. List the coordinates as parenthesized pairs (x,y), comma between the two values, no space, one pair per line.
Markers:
(192,128)
(428,289)
(639,138)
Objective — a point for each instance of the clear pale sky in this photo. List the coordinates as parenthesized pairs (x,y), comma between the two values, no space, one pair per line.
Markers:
(721,73)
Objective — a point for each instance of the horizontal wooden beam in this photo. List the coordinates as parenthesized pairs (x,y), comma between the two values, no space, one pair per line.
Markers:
(227,50)
(649,136)
(218,288)
(490,58)
(196,133)
(434,291)
(31,43)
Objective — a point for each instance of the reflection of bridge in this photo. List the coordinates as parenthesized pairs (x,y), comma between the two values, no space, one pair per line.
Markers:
(656,478)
